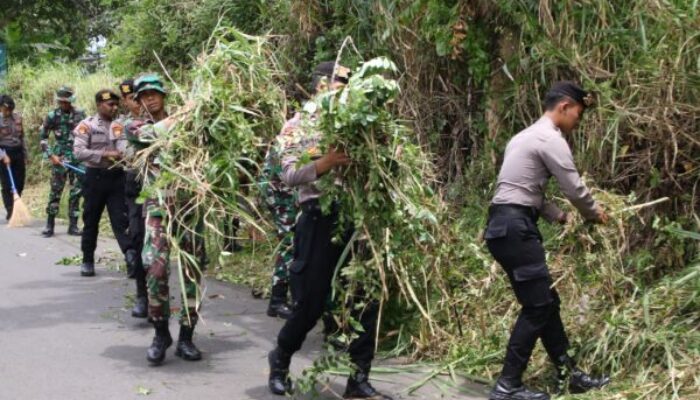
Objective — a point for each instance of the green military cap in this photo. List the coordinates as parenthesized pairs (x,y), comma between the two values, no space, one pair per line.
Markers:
(105,95)
(149,82)
(64,93)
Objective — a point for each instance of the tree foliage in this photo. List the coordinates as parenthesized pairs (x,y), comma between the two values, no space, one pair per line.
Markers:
(37,30)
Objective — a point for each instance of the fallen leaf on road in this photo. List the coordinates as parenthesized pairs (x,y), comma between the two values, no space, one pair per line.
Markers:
(217,296)
(143,391)
(75,260)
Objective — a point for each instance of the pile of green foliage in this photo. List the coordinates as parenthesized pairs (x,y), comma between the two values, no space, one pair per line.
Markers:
(211,156)
(385,194)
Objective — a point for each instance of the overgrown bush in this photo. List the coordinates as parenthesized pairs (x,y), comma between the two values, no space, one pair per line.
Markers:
(471,75)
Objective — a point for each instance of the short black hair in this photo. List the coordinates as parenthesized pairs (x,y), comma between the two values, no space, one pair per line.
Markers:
(7,101)
(566,90)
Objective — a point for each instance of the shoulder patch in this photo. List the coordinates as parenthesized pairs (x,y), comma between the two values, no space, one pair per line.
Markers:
(83,128)
(117,130)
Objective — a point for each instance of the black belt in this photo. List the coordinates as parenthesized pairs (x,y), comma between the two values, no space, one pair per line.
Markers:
(104,171)
(12,149)
(314,206)
(515,210)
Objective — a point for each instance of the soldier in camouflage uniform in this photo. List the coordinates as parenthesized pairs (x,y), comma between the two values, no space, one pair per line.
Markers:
(158,240)
(282,203)
(61,122)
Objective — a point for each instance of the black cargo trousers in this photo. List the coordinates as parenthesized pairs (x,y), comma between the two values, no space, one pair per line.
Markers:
(311,278)
(515,242)
(136,221)
(103,188)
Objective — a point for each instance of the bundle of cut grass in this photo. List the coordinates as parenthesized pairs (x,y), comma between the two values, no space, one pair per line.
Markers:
(385,192)
(210,156)
(623,318)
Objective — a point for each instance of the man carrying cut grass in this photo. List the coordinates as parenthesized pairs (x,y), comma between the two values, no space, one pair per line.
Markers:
(531,158)
(150,93)
(316,255)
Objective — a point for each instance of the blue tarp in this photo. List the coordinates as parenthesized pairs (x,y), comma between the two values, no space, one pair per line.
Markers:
(3,61)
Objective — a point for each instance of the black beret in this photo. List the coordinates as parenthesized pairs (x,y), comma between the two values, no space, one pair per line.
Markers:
(573,91)
(6,100)
(105,95)
(126,87)
(327,68)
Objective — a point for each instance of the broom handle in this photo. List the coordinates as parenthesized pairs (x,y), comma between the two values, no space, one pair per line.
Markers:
(74,168)
(12,180)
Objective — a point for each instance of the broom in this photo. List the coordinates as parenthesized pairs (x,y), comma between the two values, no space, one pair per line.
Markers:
(20,212)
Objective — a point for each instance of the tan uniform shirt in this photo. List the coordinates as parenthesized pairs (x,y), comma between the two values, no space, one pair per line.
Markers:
(11,131)
(299,148)
(91,140)
(531,158)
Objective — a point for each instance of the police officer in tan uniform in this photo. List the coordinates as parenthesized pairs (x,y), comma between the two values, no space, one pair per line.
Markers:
(531,158)
(104,179)
(13,145)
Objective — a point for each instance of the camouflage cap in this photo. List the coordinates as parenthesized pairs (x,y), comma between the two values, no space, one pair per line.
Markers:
(149,82)
(64,93)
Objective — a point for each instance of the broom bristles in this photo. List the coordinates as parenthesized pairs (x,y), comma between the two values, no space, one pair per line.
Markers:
(20,214)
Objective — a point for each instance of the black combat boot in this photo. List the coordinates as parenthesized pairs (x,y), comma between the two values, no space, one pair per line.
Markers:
(87,269)
(577,381)
(161,341)
(506,389)
(278,306)
(50,224)
(358,387)
(133,262)
(232,246)
(279,382)
(185,348)
(73,229)
(140,309)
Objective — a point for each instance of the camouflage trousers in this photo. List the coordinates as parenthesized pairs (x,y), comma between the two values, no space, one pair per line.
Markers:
(284,211)
(59,176)
(157,246)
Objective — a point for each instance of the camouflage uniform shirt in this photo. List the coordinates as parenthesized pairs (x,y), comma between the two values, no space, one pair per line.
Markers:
(62,125)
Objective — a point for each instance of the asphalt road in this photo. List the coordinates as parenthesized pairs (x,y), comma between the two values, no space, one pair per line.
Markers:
(63,336)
